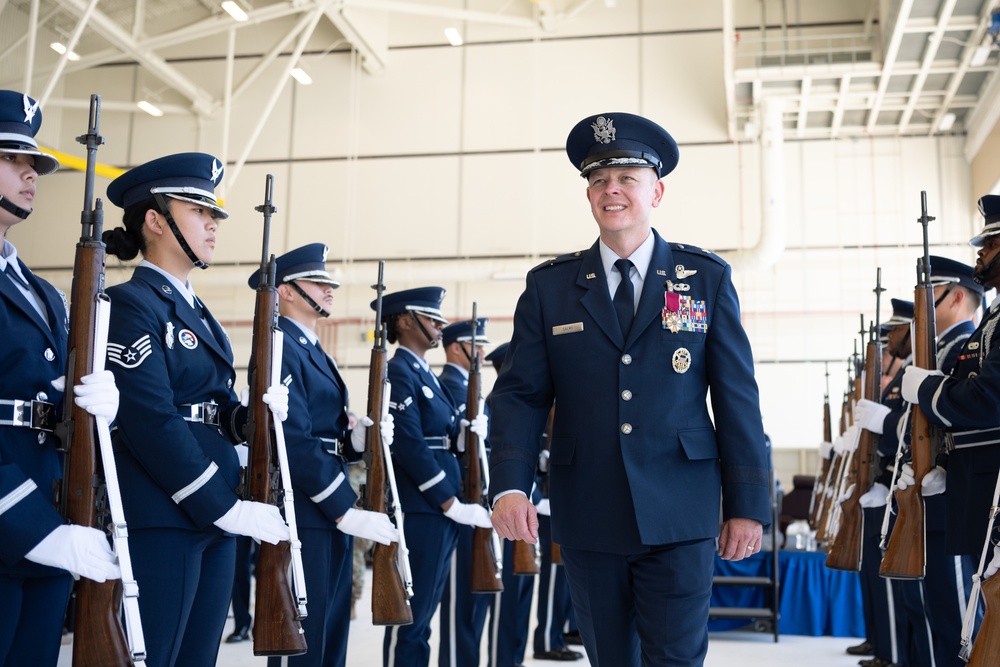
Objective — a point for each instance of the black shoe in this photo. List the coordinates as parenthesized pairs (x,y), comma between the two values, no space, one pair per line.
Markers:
(864,648)
(874,662)
(239,635)
(573,638)
(562,654)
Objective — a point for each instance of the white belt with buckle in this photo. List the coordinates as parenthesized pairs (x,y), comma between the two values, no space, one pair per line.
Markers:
(200,413)
(28,414)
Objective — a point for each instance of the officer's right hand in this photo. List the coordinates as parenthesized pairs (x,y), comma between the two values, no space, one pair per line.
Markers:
(994,565)
(82,551)
(368,525)
(877,496)
(870,415)
(469,514)
(543,461)
(260,521)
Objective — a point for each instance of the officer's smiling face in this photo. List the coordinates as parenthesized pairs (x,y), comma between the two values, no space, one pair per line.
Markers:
(17,183)
(622,198)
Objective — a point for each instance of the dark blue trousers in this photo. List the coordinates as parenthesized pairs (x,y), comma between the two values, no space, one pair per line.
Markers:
(648,609)
(246,553)
(32,610)
(185,582)
(510,613)
(554,606)
(463,613)
(327,562)
(431,540)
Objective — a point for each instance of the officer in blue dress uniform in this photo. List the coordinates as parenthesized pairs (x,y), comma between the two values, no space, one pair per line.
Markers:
(463,613)
(964,404)
(38,551)
(320,445)
(427,474)
(886,621)
(637,490)
(180,418)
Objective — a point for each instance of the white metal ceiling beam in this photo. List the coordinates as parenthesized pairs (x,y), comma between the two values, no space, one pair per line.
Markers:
(201,101)
(803,116)
(84,18)
(838,112)
(450,13)
(373,48)
(889,60)
(930,52)
(728,66)
(963,67)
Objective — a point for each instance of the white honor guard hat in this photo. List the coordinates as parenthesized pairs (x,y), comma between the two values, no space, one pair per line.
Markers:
(989,207)
(190,177)
(306,263)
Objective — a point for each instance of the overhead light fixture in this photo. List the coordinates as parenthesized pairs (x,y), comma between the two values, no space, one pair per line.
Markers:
(610,3)
(60,49)
(149,108)
(454,38)
(947,122)
(982,52)
(300,75)
(235,10)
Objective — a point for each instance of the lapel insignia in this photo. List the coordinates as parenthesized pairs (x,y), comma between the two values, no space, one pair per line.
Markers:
(681,360)
(661,272)
(302,340)
(974,346)
(168,337)
(166,289)
(683,273)
(591,276)
(49,354)
(130,356)
(428,392)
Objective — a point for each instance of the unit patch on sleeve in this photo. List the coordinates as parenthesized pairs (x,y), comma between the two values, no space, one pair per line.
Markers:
(130,356)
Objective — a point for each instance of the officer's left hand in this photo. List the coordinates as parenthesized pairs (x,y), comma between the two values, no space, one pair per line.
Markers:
(98,394)
(515,518)
(994,565)
(739,538)
(480,425)
(934,481)
(276,398)
(360,432)
(847,494)
(913,377)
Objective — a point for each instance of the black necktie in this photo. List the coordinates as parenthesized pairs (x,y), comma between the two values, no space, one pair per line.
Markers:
(625,297)
(15,276)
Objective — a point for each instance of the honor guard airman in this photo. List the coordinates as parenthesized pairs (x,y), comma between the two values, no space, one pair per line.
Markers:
(637,491)
(38,552)
(427,473)
(320,446)
(180,419)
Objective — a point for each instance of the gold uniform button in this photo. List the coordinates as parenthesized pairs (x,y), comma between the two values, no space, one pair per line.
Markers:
(626,395)
(626,428)
(626,359)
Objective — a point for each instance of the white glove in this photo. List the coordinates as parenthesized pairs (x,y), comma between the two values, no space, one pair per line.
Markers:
(932,484)
(825,449)
(243,454)
(83,551)
(368,525)
(543,460)
(934,481)
(470,514)
(59,384)
(543,507)
(847,494)
(260,521)
(847,442)
(98,395)
(276,398)
(360,432)
(877,496)
(480,425)
(870,415)
(994,564)
(838,443)
(913,377)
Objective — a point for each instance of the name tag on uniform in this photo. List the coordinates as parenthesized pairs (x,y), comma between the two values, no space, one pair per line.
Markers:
(567,328)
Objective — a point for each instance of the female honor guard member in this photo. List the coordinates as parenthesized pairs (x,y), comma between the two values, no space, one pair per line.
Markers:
(180,417)
(640,473)
(319,447)
(38,551)
(427,473)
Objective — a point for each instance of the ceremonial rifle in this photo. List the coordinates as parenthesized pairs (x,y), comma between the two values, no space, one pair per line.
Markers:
(556,550)
(90,493)
(276,629)
(836,472)
(487,552)
(846,551)
(823,465)
(392,587)
(986,648)
(528,557)
(905,556)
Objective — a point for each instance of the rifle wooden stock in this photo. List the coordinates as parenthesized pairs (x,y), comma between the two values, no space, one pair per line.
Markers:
(98,638)
(526,559)
(845,553)
(556,553)
(276,628)
(817,500)
(905,554)
(390,605)
(986,647)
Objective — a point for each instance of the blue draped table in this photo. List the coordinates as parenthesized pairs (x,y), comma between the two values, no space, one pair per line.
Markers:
(815,600)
